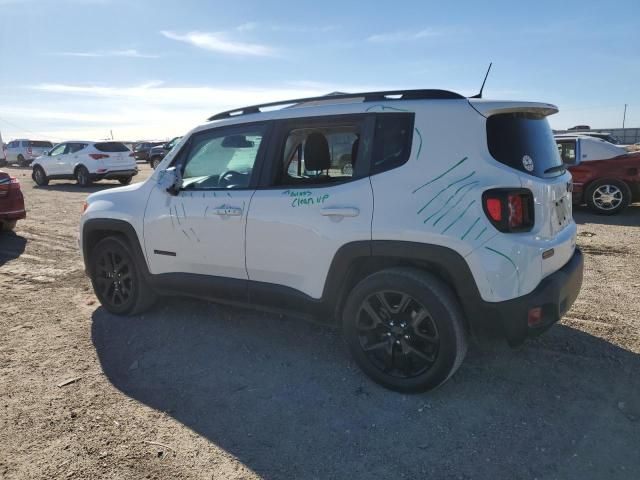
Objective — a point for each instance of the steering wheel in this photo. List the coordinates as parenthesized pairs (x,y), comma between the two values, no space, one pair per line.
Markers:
(223,181)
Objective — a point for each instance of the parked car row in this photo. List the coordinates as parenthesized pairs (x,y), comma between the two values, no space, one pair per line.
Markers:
(605,176)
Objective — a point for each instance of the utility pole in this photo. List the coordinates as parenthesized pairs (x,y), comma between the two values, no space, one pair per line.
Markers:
(111,131)
(624,115)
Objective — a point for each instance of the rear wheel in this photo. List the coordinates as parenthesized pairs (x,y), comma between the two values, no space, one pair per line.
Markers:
(155,162)
(608,197)
(125,180)
(3,162)
(404,328)
(40,177)
(21,161)
(82,176)
(117,282)
(8,225)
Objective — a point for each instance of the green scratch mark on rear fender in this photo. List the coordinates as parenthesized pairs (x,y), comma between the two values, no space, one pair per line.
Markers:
(451,197)
(459,216)
(508,259)
(480,234)
(470,228)
(419,146)
(442,174)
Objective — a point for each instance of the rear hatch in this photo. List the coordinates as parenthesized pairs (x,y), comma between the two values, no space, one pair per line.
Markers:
(519,136)
(120,157)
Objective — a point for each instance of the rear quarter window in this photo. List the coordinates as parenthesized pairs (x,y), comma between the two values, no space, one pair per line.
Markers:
(393,136)
(523,141)
(39,143)
(111,147)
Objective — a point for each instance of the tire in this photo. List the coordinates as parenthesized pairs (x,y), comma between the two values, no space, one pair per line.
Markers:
(3,162)
(404,353)
(21,161)
(8,225)
(125,180)
(608,197)
(40,177)
(128,294)
(155,161)
(82,176)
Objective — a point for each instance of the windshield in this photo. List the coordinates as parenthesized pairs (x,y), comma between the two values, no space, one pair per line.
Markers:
(524,141)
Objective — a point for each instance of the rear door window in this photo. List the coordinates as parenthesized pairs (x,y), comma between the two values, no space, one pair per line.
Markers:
(524,141)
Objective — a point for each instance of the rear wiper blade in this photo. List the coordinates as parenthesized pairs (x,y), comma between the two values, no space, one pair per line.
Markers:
(557,168)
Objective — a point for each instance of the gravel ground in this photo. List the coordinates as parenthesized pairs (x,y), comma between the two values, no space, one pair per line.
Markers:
(195,390)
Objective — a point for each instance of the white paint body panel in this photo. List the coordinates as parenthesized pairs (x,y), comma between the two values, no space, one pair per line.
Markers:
(291,239)
(65,163)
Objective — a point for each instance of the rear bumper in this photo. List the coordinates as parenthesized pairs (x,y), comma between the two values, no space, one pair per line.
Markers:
(555,294)
(13,215)
(114,174)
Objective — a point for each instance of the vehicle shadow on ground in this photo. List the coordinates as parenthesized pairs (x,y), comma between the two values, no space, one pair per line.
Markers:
(74,187)
(284,398)
(629,217)
(11,247)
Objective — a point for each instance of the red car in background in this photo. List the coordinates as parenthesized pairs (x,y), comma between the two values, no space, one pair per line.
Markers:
(605,176)
(11,202)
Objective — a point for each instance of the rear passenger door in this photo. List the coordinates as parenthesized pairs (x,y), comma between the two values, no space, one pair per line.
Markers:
(314,197)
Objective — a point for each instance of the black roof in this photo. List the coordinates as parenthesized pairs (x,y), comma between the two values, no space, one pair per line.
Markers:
(366,96)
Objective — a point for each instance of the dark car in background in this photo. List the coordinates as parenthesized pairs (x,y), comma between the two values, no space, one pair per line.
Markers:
(157,153)
(141,150)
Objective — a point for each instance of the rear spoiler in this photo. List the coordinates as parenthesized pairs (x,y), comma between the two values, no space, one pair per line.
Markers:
(486,108)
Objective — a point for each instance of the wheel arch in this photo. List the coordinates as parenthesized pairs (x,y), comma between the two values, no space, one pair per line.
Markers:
(356,261)
(96,229)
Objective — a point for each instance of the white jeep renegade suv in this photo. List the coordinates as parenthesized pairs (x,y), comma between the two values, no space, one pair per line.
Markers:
(454,217)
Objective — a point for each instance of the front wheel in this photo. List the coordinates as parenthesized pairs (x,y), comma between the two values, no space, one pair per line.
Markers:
(125,180)
(82,176)
(117,282)
(608,197)
(40,177)
(405,330)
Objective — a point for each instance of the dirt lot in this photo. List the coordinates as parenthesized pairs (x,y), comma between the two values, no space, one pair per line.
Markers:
(195,390)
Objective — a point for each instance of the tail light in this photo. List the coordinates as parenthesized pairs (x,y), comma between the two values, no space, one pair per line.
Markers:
(509,210)
(7,184)
(98,156)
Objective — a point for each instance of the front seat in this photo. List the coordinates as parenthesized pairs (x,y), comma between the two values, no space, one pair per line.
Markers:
(317,157)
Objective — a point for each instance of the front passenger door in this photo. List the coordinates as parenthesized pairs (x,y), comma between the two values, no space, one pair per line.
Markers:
(51,163)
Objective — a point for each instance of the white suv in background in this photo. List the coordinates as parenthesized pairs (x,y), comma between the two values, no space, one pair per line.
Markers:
(454,217)
(85,162)
(23,151)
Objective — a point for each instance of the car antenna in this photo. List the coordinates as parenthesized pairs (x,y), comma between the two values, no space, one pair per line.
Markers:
(479,95)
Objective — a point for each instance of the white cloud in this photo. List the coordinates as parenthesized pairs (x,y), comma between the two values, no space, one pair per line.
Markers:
(404,36)
(217,42)
(131,53)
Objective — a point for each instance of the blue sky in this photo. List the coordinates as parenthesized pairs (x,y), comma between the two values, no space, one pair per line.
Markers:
(144,69)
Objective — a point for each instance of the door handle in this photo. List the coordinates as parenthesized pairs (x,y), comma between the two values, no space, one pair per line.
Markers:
(226,211)
(340,212)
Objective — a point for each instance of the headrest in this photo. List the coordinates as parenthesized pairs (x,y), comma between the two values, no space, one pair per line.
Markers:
(316,152)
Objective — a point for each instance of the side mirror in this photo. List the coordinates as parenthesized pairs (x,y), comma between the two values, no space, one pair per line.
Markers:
(47,153)
(171,180)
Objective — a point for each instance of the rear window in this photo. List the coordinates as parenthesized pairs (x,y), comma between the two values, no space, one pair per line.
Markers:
(111,147)
(40,143)
(524,141)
